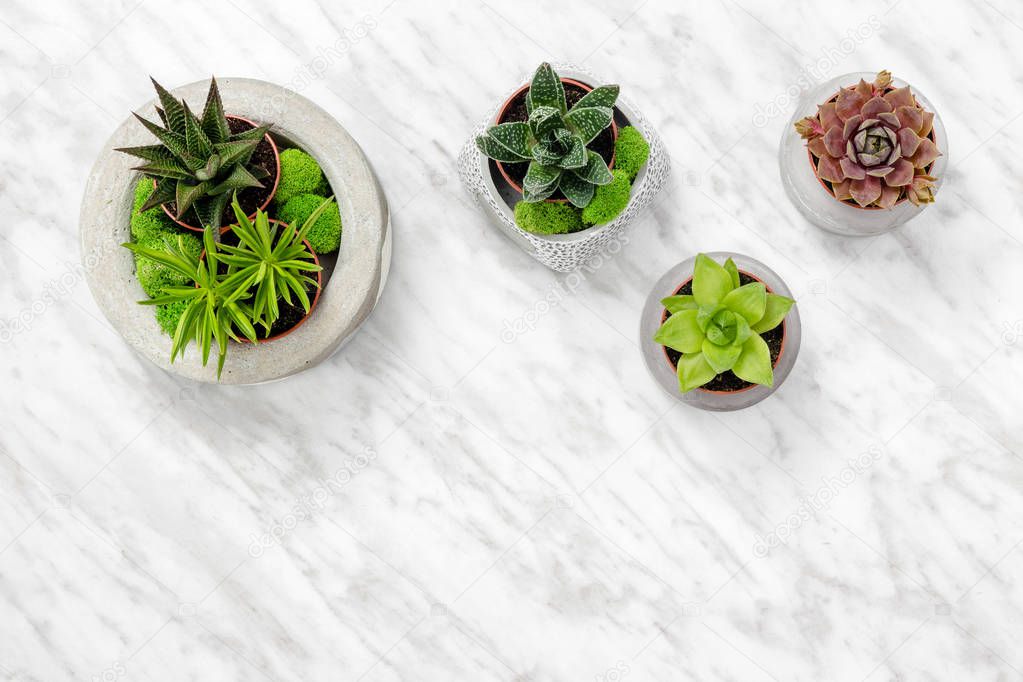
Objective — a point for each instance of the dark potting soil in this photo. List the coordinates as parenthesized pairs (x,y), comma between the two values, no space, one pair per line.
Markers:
(603,143)
(250,198)
(728,381)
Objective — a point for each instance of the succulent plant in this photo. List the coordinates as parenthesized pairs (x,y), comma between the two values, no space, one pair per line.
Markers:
(199,163)
(554,140)
(872,144)
(717,328)
(275,258)
(215,303)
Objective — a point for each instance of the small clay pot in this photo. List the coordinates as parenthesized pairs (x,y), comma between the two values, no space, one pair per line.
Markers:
(273,189)
(312,304)
(504,110)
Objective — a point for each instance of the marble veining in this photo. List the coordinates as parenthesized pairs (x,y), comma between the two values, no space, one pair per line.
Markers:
(444,500)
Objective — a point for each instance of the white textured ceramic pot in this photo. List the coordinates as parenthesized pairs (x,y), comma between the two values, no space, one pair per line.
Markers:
(349,296)
(659,364)
(563,252)
(815,201)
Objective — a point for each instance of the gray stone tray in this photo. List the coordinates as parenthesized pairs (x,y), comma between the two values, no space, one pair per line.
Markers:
(346,301)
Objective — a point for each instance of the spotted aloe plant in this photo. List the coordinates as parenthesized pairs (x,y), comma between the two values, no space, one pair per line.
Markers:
(554,140)
(717,328)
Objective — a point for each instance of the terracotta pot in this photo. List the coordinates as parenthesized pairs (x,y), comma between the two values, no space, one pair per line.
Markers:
(781,351)
(827,188)
(312,304)
(504,110)
(273,189)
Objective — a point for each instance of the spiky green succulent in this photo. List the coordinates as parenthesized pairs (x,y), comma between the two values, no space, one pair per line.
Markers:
(216,303)
(199,163)
(277,258)
(717,328)
(554,140)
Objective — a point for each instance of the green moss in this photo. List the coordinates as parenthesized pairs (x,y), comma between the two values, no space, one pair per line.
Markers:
(323,189)
(300,174)
(154,277)
(153,222)
(325,234)
(609,200)
(167,316)
(547,217)
(631,151)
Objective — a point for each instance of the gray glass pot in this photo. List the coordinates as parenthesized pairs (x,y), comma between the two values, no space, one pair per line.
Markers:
(661,368)
(808,192)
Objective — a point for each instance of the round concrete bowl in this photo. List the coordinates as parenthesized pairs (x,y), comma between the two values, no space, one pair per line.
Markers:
(346,301)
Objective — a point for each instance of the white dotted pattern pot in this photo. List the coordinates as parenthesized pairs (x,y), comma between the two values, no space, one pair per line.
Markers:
(345,303)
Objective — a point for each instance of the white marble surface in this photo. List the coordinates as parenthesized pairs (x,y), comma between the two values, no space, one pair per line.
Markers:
(462,508)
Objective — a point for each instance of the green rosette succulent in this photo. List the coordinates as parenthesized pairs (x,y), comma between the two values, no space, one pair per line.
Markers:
(199,162)
(554,140)
(717,328)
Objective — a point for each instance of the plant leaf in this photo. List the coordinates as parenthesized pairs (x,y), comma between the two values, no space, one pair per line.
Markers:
(540,177)
(167,169)
(733,271)
(749,300)
(512,136)
(544,119)
(678,303)
(681,332)
(721,358)
(754,364)
(214,123)
(711,282)
(693,371)
(149,152)
(533,196)
(577,157)
(604,96)
(173,141)
(578,191)
(185,194)
(173,111)
(163,193)
(547,90)
(492,149)
(589,121)
(775,311)
(595,171)
(240,178)
(196,141)
(235,151)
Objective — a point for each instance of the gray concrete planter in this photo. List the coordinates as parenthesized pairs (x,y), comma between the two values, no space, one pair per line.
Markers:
(564,252)
(345,302)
